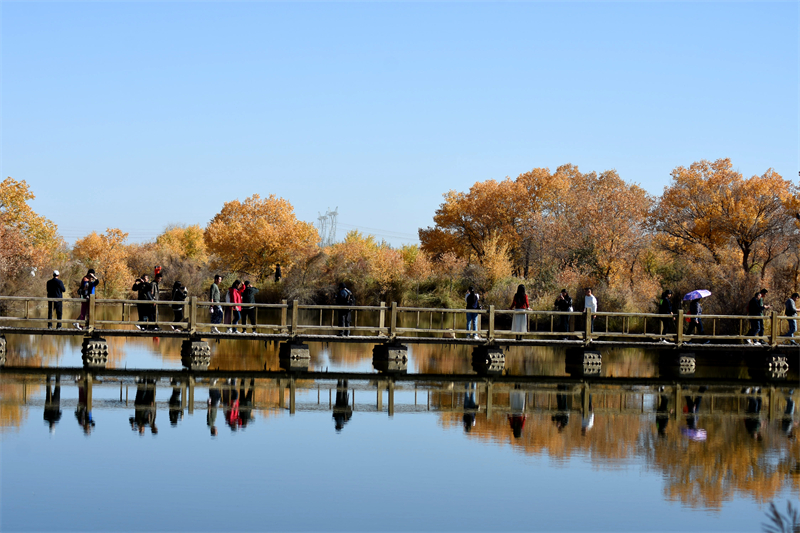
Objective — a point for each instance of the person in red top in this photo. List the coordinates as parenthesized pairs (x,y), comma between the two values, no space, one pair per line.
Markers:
(235,296)
(520,303)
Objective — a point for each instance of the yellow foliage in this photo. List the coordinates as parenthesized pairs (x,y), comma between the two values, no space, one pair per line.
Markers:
(252,236)
(106,254)
(186,242)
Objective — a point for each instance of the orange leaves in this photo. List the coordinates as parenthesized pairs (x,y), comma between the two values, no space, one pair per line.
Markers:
(184,241)
(253,235)
(107,254)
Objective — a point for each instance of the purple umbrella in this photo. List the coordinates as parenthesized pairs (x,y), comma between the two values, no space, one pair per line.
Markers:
(696,295)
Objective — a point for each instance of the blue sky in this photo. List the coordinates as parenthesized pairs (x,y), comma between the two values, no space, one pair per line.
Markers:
(141,114)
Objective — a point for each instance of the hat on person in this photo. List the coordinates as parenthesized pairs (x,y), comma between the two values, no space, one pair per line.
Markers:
(55,273)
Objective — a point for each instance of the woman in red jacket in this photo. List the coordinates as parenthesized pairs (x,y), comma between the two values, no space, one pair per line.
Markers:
(235,296)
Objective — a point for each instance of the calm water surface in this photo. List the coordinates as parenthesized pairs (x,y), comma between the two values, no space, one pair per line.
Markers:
(436,464)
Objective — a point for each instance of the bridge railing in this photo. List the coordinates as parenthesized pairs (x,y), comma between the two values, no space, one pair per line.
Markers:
(293,318)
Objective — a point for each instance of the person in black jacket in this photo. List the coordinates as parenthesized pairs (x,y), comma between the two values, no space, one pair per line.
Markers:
(55,289)
(665,308)
(179,293)
(248,311)
(564,304)
(147,312)
(755,308)
(344,297)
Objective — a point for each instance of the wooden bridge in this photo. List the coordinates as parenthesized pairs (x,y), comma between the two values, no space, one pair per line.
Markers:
(292,321)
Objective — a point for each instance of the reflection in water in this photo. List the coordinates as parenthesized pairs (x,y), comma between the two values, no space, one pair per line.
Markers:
(52,404)
(83,411)
(342,412)
(470,406)
(692,407)
(175,408)
(214,399)
(144,407)
(561,418)
(517,417)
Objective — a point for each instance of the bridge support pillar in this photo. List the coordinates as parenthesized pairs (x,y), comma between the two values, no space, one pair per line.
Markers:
(488,360)
(294,355)
(195,355)
(582,362)
(94,352)
(390,358)
(677,365)
(2,350)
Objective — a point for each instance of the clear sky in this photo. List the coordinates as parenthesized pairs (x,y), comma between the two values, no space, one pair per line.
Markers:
(141,114)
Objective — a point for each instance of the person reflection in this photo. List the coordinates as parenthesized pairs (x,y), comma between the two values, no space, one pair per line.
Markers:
(52,404)
(175,410)
(214,398)
(788,423)
(692,407)
(230,401)
(662,412)
(245,403)
(561,418)
(752,421)
(144,407)
(342,412)
(470,407)
(517,417)
(82,414)
(587,418)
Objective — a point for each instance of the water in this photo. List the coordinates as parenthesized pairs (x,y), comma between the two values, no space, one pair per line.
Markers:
(425,468)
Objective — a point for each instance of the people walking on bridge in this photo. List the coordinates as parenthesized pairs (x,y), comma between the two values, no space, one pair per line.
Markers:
(157,277)
(563,304)
(665,308)
(791,311)
(695,323)
(248,311)
(344,297)
(214,298)
(144,288)
(756,308)
(235,297)
(520,303)
(55,289)
(85,290)
(473,302)
(590,303)
(179,294)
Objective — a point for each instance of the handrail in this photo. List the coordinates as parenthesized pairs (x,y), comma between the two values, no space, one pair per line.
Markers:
(386,320)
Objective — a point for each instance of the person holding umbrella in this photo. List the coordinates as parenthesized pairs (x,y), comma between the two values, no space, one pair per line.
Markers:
(694,297)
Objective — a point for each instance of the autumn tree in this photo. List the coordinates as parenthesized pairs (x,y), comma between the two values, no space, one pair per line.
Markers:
(252,236)
(27,239)
(186,242)
(106,253)
(710,208)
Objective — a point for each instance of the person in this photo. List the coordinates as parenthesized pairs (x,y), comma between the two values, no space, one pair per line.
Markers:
(561,418)
(278,273)
(55,289)
(342,412)
(157,277)
(520,303)
(174,402)
(470,407)
(214,397)
(752,422)
(179,293)
(144,288)
(85,290)
(791,311)
(563,304)
(144,407)
(235,297)
(662,412)
(517,417)
(83,411)
(344,297)
(590,303)
(665,308)
(473,302)
(52,404)
(695,324)
(214,298)
(756,307)
(248,311)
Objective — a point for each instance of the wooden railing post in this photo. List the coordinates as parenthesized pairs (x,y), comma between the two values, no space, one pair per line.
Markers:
(679,327)
(775,329)
(382,319)
(295,317)
(283,316)
(491,323)
(193,315)
(588,326)
(393,323)
(90,327)
(27,309)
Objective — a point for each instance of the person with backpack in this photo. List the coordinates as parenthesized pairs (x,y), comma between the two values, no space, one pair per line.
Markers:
(563,304)
(473,302)
(147,311)
(85,290)
(179,293)
(756,308)
(344,297)
(249,311)
(665,308)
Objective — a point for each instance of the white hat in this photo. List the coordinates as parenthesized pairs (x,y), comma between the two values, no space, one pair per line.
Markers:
(55,272)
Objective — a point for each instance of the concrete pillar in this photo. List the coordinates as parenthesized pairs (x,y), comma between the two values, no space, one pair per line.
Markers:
(195,354)
(488,360)
(94,351)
